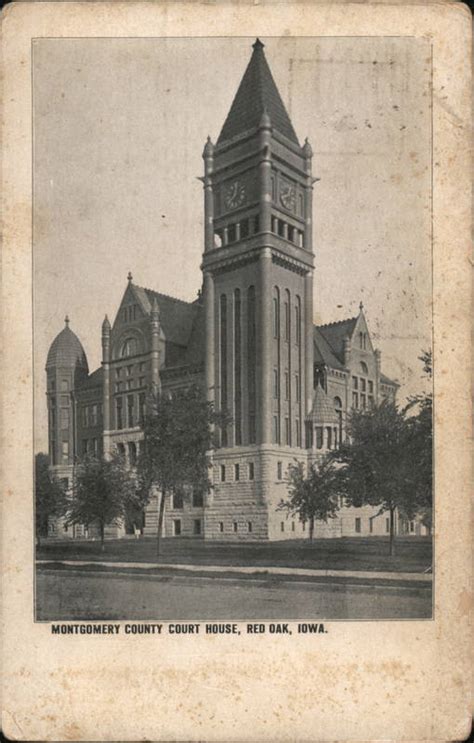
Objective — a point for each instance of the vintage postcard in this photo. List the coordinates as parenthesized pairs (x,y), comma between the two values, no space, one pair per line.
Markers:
(236,387)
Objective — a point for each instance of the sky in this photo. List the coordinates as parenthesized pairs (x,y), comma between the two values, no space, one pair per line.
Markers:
(119,128)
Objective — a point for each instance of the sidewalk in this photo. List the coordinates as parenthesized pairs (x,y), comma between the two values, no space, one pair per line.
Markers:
(245,570)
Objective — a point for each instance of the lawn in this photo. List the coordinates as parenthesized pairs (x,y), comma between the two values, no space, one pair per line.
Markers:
(414,554)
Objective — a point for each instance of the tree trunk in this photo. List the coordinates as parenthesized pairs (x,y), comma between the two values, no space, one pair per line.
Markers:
(311,529)
(392,531)
(160,523)
(102,538)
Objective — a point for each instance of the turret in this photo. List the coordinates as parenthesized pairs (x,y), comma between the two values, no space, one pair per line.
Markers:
(208,157)
(66,367)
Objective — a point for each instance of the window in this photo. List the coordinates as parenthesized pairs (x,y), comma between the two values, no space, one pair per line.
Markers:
(64,418)
(387,525)
(118,372)
(287,432)
(118,412)
(251,471)
(355,400)
(292,526)
(129,348)
(95,448)
(85,445)
(287,386)
(361,340)
(276,430)
(357,526)
(297,388)
(118,387)
(329,437)
(132,453)
(121,449)
(371,387)
(231,234)
(249,526)
(355,383)
(319,437)
(236,526)
(198,498)
(287,315)
(363,401)
(130,411)
(65,450)
(298,321)
(336,437)
(197,526)
(129,370)
(276,313)
(141,407)
(275,384)
(364,368)
(298,432)
(251,367)
(370,401)
(178,499)
(221,526)
(237,471)
(222,472)
(256,224)
(177,527)
(237,369)
(279,470)
(282,526)
(412,527)
(244,229)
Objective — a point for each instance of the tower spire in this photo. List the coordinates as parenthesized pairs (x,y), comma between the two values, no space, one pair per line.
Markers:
(257,92)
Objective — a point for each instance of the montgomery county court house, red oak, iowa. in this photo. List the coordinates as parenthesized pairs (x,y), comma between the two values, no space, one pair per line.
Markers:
(248,340)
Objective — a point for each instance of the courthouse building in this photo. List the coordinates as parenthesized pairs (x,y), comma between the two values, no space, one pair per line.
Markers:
(248,340)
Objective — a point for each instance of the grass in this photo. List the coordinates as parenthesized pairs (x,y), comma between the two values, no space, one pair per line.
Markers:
(414,554)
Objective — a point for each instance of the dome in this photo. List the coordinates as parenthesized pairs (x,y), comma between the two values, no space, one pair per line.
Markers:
(322,411)
(67,350)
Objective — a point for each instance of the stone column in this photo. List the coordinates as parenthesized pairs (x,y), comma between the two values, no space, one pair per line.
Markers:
(308,341)
(208,156)
(265,168)
(308,207)
(210,335)
(264,346)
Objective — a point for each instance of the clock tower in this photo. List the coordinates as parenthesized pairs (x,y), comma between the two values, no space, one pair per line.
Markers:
(258,297)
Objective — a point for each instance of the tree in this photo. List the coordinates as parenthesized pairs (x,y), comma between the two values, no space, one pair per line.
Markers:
(313,496)
(50,496)
(420,446)
(104,490)
(177,439)
(376,470)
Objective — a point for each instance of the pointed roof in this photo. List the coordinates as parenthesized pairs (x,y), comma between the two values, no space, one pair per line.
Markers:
(257,93)
(176,315)
(67,350)
(335,332)
(322,410)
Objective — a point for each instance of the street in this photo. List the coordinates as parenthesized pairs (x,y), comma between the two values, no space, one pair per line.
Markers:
(78,595)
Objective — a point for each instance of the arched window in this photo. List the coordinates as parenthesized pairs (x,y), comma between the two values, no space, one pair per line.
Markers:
(364,368)
(237,367)
(276,312)
(223,360)
(287,315)
(128,348)
(251,364)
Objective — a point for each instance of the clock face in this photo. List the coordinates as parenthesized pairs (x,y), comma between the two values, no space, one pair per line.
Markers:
(235,194)
(288,196)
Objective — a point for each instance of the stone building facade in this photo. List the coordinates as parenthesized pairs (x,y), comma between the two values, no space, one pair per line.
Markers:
(248,340)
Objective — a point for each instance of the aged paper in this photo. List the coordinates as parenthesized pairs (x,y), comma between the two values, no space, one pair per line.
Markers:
(333,262)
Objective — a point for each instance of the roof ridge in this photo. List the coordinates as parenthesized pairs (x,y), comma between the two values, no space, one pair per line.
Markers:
(336,322)
(162,294)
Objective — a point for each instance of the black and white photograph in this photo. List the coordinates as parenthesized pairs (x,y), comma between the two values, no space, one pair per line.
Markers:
(232,293)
